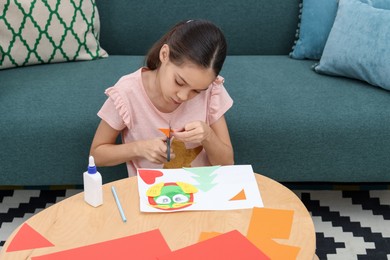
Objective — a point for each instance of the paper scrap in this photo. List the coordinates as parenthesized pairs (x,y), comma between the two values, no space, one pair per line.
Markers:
(28,238)
(240,196)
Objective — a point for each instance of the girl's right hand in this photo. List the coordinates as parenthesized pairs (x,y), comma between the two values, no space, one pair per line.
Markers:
(154,150)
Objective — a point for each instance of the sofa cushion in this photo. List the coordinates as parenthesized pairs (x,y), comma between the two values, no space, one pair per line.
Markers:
(316,21)
(358,44)
(36,32)
(317,17)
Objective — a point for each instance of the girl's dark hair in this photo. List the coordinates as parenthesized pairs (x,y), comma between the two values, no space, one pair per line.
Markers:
(198,41)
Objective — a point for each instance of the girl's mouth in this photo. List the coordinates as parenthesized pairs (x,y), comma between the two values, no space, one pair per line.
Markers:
(176,102)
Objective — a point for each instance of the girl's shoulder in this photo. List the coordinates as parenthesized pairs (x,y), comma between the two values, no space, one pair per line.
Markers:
(130,80)
(126,88)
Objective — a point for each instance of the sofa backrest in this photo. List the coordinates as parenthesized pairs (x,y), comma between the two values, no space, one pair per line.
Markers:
(252,27)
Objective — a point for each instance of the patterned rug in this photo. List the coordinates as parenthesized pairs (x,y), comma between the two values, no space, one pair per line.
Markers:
(349,224)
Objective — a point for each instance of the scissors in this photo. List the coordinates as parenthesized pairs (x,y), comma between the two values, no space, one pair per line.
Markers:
(169,143)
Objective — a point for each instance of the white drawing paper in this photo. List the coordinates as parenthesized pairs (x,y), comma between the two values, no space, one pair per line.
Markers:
(198,188)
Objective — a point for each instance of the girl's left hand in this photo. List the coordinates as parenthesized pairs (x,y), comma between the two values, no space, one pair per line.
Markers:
(194,132)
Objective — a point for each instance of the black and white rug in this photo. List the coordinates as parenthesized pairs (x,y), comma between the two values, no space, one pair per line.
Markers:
(349,224)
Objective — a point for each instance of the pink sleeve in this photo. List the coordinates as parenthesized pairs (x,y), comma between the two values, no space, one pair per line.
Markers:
(220,101)
(115,110)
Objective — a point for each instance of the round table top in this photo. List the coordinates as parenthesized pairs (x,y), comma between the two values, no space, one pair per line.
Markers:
(72,223)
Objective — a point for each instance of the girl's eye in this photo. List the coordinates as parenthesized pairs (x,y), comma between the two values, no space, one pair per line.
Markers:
(179,84)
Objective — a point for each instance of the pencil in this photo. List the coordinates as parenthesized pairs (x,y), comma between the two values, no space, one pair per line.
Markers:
(118,203)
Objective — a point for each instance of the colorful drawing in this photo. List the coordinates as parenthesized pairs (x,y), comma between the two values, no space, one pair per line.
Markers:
(171,195)
(198,188)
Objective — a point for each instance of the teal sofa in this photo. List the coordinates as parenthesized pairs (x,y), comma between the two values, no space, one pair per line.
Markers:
(288,122)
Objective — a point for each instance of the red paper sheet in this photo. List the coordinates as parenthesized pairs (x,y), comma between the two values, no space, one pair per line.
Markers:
(143,246)
(28,238)
(231,245)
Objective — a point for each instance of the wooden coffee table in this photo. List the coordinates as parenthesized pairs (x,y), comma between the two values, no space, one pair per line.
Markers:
(72,223)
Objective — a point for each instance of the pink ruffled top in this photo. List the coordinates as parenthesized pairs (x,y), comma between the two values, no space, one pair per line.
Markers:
(128,109)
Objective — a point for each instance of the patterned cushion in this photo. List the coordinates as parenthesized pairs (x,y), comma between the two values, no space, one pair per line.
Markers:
(37,32)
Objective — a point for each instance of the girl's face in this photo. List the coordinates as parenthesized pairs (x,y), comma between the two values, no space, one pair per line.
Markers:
(181,83)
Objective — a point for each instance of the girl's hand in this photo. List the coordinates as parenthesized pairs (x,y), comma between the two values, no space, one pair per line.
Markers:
(194,132)
(154,150)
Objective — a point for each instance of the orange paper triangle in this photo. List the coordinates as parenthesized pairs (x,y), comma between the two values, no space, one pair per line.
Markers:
(166,131)
(28,238)
(240,196)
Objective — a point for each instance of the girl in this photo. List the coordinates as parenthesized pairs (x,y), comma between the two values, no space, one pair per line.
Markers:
(179,93)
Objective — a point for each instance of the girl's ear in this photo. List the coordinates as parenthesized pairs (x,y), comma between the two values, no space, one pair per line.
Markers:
(164,53)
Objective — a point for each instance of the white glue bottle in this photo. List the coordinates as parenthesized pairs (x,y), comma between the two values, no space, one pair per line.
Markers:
(93,190)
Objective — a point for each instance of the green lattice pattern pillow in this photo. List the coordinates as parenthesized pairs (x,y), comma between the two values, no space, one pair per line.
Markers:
(48,31)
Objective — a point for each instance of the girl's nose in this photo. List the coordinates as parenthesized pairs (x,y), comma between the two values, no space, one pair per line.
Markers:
(183,95)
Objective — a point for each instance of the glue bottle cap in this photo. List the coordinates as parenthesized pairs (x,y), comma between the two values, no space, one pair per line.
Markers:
(91,165)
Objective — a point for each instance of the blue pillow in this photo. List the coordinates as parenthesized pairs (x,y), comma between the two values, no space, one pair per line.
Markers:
(358,45)
(317,17)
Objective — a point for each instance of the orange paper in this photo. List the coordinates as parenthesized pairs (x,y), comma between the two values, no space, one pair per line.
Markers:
(275,250)
(28,238)
(267,224)
(207,235)
(166,131)
(145,246)
(240,196)
(270,223)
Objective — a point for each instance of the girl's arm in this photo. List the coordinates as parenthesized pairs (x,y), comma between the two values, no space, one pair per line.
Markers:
(218,146)
(215,140)
(107,153)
